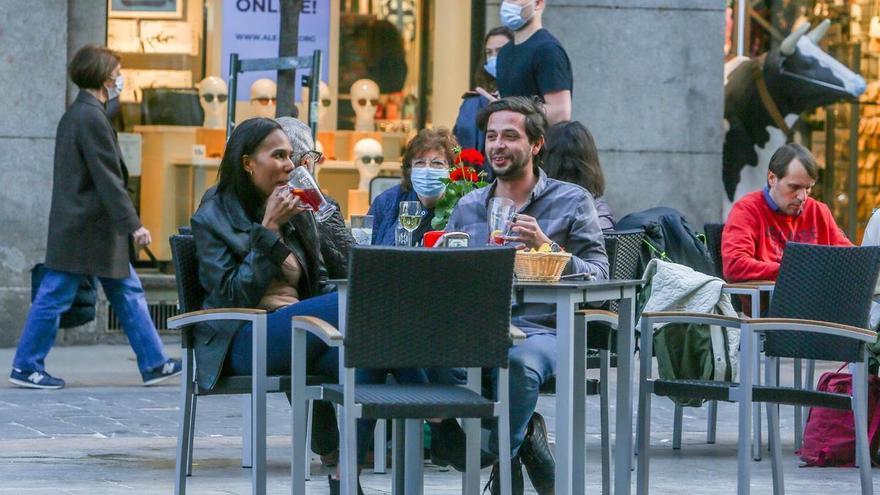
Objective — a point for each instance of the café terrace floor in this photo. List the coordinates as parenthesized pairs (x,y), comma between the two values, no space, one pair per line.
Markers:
(105,434)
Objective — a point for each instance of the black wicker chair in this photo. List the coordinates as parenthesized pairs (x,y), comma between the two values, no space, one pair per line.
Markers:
(409,308)
(819,311)
(190,297)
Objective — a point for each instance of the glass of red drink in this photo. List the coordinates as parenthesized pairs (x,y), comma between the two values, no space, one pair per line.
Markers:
(303,185)
(499,216)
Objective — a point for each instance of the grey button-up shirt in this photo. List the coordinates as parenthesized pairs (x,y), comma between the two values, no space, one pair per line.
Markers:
(567,215)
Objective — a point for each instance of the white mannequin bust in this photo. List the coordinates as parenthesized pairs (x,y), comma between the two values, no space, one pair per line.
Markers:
(325,100)
(367,148)
(364,99)
(214,89)
(263,91)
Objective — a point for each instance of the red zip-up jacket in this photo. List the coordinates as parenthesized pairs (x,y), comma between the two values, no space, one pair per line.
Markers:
(755,235)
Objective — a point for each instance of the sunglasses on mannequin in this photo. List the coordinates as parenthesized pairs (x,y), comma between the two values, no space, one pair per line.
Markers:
(363,102)
(264,101)
(369,159)
(210,97)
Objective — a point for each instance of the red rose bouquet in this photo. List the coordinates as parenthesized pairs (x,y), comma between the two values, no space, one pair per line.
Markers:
(465,175)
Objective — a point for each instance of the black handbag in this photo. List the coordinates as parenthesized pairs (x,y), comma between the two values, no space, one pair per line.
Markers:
(83,309)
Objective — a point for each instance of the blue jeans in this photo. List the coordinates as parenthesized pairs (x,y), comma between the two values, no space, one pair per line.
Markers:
(531,364)
(320,359)
(55,296)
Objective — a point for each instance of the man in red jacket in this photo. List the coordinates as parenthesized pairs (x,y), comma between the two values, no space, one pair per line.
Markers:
(762,222)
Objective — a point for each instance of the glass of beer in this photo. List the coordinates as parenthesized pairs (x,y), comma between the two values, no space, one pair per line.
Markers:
(303,186)
(499,218)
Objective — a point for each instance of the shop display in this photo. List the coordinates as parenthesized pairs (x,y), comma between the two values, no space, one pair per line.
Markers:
(759,120)
(325,100)
(364,100)
(213,96)
(263,93)
(368,158)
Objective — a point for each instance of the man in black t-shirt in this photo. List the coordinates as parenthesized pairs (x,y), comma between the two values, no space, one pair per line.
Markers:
(535,64)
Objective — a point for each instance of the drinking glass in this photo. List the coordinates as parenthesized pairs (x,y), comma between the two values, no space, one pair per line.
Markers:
(410,218)
(362,229)
(500,215)
(303,185)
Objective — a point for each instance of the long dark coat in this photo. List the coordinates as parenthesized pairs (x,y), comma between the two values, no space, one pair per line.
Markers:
(91,216)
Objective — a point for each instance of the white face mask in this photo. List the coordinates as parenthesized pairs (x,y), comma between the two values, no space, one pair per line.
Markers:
(116,90)
(511,14)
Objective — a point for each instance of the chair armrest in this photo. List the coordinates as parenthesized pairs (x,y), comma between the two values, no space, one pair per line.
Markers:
(517,335)
(812,326)
(186,319)
(319,328)
(688,317)
(603,315)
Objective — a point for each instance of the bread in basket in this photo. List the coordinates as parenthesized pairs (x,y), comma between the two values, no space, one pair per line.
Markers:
(540,266)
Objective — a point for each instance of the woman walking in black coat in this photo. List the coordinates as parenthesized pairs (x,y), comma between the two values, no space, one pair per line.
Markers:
(90,221)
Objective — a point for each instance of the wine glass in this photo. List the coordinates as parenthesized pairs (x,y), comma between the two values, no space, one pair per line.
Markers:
(303,185)
(410,218)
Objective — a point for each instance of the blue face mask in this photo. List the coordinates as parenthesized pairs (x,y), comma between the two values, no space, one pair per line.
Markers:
(491,66)
(426,181)
(511,15)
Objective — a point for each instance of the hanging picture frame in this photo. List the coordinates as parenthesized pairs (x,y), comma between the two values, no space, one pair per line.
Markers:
(145,9)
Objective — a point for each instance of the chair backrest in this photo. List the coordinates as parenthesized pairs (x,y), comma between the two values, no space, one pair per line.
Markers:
(624,249)
(380,184)
(416,308)
(713,242)
(190,293)
(823,283)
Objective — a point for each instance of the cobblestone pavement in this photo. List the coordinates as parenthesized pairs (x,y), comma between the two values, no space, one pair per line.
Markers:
(105,434)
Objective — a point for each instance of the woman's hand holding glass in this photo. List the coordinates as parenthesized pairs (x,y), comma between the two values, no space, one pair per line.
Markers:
(281,206)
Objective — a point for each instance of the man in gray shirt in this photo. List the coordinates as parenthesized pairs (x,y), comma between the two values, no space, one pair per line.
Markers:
(548,211)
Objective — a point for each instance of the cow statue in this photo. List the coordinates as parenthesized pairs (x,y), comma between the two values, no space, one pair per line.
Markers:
(763,98)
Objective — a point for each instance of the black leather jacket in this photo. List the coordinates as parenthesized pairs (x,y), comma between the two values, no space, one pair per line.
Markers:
(336,243)
(238,259)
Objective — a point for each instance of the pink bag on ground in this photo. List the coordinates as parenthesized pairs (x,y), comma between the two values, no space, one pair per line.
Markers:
(829,437)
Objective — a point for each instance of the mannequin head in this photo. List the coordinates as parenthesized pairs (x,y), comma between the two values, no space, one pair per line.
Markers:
(213,96)
(325,100)
(364,99)
(263,93)
(368,157)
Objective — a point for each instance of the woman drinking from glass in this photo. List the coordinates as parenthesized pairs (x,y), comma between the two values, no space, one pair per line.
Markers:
(426,161)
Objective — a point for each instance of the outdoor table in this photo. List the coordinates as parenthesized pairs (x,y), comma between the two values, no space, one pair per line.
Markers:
(571,375)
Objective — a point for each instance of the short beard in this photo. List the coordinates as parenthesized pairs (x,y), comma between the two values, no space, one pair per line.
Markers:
(516,170)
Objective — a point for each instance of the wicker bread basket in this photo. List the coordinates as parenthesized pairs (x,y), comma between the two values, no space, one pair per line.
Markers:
(540,267)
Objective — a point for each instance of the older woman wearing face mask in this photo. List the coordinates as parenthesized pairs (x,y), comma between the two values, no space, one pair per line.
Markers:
(426,161)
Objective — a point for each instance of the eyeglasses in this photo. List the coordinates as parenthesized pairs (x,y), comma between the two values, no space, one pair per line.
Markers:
(309,157)
(368,159)
(363,102)
(436,163)
(210,97)
(325,103)
(264,101)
